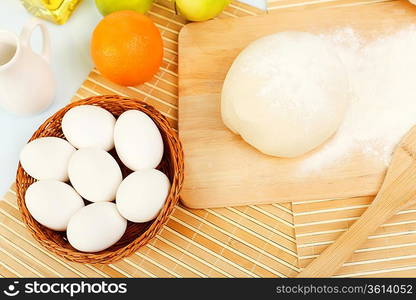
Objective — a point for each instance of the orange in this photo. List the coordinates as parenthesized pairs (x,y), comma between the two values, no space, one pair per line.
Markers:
(127,48)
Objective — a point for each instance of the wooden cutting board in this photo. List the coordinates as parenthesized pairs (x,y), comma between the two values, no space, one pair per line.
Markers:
(221,169)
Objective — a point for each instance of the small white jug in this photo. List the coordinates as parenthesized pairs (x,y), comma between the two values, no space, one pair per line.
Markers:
(27,85)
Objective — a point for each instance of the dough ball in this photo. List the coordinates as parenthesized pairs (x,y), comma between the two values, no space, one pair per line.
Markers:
(286,93)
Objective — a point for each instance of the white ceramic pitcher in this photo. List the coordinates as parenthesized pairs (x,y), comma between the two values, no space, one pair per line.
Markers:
(27,85)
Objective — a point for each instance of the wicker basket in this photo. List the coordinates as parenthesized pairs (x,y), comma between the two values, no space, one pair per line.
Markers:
(136,234)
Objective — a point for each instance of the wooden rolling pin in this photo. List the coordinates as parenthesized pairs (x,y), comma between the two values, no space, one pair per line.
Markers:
(397,192)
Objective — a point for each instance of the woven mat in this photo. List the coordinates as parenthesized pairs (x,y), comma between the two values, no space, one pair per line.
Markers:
(250,241)
(389,252)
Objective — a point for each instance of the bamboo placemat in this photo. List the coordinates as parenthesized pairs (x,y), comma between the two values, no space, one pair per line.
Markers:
(389,252)
(249,241)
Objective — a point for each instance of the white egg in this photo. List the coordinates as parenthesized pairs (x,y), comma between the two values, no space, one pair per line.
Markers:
(52,203)
(96,227)
(47,158)
(142,195)
(138,141)
(89,126)
(94,174)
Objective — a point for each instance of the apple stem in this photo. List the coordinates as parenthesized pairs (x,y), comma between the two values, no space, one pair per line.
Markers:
(176,8)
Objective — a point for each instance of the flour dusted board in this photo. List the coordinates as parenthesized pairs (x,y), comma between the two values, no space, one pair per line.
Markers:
(221,169)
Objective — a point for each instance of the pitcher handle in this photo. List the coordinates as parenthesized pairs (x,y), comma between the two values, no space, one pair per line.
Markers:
(26,34)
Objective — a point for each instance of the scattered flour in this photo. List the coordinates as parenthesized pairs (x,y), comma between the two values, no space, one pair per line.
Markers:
(382,76)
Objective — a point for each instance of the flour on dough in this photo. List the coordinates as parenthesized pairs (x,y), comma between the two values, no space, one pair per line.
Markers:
(286,93)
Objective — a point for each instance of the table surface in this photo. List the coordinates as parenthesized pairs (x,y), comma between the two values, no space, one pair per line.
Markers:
(71,64)
(248,241)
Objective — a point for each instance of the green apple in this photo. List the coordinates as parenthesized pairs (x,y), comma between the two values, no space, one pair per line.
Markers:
(201,10)
(108,6)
